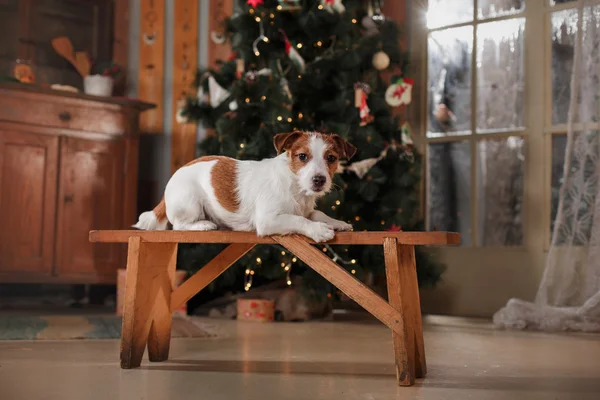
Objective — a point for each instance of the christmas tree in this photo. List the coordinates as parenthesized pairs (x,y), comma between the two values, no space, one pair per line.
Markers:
(316,65)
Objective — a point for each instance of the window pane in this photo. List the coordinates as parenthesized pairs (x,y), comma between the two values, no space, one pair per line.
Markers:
(581,191)
(500,75)
(449,192)
(564,33)
(564,37)
(500,192)
(448,12)
(498,8)
(449,75)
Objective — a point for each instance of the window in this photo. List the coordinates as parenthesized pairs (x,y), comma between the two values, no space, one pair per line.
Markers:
(476,127)
(498,96)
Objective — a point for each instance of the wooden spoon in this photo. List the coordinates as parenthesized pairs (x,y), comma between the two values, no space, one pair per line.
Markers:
(83,63)
(63,46)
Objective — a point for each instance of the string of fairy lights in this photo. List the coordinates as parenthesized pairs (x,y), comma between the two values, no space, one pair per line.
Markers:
(288,260)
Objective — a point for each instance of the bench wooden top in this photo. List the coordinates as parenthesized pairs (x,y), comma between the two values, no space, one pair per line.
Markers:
(356,238)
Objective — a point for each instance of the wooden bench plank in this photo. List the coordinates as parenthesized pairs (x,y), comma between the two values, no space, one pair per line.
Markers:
(345,238)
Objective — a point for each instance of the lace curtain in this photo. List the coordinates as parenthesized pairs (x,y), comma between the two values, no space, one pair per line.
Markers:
(568,298)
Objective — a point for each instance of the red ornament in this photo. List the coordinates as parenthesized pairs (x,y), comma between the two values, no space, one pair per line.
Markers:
(255,3)
(399,91)
(395,228)
(233,56)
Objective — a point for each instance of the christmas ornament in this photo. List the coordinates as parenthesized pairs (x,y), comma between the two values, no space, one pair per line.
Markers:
(294,56)
(217,37)
(381,61)
(286,88)
(394,228)
(406,134)
(217,94)
(333,6)
(239,68)
(399,93)
(255,3)
(361,168)
(361,92)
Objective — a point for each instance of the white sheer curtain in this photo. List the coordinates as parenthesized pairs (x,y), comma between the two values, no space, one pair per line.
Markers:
(568,298)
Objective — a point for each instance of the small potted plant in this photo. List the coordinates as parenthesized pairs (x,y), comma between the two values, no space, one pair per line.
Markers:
(101,79)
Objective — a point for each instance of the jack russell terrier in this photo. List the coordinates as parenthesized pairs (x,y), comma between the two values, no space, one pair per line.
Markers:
(275,196)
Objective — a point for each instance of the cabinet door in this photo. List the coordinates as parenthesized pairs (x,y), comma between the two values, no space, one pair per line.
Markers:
(28,180)
(90,197)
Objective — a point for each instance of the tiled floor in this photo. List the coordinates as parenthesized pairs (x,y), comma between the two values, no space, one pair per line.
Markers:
(319,360)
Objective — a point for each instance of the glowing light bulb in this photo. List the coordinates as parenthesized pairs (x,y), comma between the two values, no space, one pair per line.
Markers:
(353,271)
(290,119)
(258,260)
(247,272)
(333,207)
(299,45)
(382,222)
(319,43)
(324,249)
(320,6)
(287,268)
(294,259)
(300,115)
(353,20)
(338,202)
(279,7)
(242,145)
(353,261)
(289,282)
(272,15)
(247,99)
(257,19)
(263,98)
(279,118)
(283,253)
(257,53)
(252,272)
(282,265)
(357,218)
(266,39)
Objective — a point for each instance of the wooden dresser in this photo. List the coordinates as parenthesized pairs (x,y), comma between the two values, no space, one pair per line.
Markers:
(68,164)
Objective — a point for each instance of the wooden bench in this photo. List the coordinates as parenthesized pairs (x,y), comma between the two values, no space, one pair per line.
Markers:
(150,297)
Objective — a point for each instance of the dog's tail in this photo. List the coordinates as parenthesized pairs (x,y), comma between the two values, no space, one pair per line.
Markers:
(155,220)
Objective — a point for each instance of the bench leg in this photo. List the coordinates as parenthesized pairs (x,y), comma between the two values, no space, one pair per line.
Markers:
(412,304)
(146,312)
(404,344)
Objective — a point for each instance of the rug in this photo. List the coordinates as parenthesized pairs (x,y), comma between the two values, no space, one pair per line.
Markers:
(64,327)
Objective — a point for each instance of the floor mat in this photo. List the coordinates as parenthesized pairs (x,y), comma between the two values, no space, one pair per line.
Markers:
(63,327)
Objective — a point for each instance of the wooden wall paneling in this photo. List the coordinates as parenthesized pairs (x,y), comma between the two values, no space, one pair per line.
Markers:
(218,11)
(185,64)
(120,45)
(152,57)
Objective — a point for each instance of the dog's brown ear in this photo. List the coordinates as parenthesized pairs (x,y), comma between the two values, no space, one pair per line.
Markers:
(284,141)
(346,149)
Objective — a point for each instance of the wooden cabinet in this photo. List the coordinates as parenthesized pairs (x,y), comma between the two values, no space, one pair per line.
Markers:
(90,196)
(68,165)
(28,174)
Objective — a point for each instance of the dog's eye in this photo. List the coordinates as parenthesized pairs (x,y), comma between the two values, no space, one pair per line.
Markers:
(331,158)
(302,157)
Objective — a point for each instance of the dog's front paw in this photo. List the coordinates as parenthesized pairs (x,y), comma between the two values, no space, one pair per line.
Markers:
(341,226)
(320,232)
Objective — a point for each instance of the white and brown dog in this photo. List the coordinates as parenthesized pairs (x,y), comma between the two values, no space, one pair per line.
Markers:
(272,196)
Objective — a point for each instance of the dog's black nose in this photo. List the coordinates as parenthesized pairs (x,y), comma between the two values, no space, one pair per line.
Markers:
(319,180)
